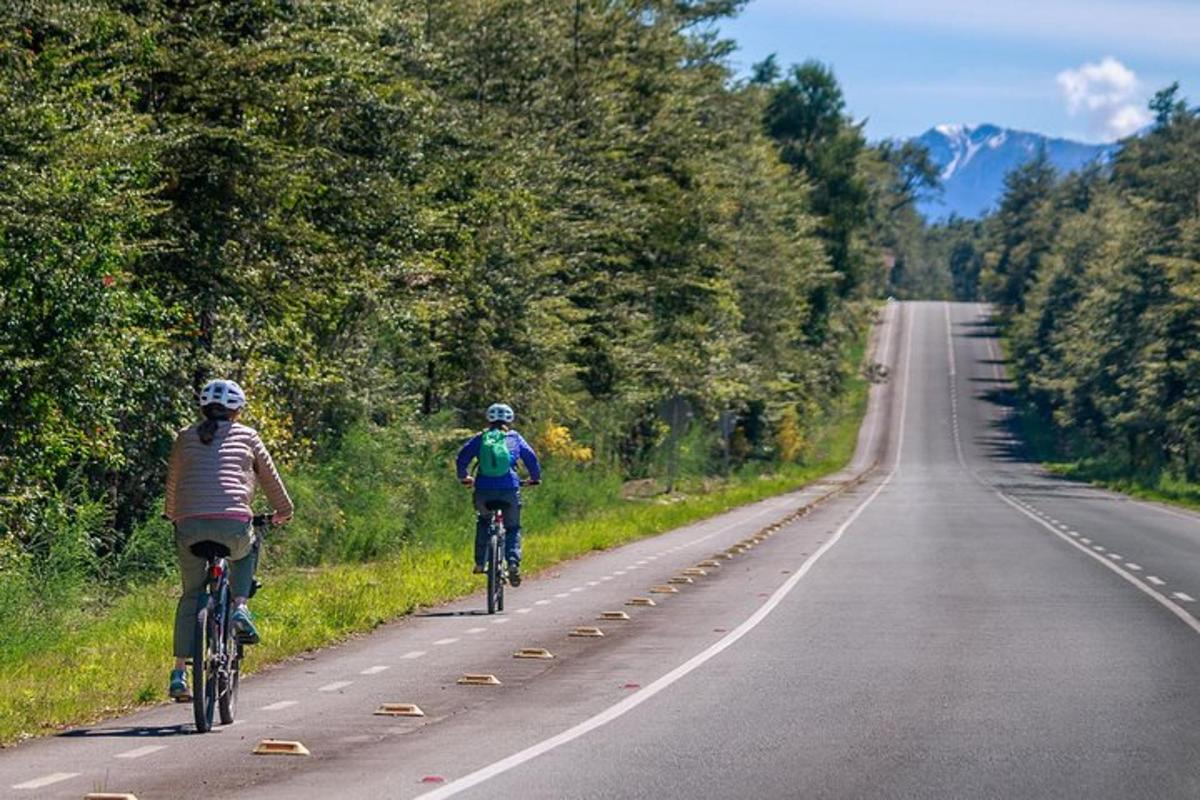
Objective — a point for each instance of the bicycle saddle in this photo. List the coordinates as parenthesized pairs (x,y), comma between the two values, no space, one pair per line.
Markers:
(209,551)
(495,505)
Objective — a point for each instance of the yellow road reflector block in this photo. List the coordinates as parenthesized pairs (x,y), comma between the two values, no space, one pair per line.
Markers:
(479,679)
(399,710)
(533,652)
(584,630)
(727,555)
(639,601)
(710,563)
(109,796)
(695,571)
(613,615)
(664,590)
(280,747)
(681,579)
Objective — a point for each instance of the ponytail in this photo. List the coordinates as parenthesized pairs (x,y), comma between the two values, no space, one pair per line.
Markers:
(214,414)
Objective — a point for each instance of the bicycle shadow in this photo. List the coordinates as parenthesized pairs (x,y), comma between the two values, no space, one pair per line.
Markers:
(475,612)
(133,732)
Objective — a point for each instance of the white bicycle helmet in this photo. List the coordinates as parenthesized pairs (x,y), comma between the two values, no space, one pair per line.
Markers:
(499,412)
(223,393)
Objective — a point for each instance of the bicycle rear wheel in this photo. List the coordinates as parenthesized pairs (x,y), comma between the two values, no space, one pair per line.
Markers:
(495,598)
(204,684)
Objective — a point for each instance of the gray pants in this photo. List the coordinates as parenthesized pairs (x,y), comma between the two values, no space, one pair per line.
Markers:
(238,536)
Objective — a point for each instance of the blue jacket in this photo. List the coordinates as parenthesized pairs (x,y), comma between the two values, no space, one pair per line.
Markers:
(518,448)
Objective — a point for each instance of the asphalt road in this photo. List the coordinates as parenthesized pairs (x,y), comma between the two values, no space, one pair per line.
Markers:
(957,624)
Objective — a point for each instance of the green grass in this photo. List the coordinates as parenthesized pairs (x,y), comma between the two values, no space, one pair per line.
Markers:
(96,667)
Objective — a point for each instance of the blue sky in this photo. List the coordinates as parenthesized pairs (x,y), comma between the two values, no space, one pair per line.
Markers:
(1082,69)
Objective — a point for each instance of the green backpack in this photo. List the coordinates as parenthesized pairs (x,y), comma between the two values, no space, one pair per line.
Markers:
(494,458)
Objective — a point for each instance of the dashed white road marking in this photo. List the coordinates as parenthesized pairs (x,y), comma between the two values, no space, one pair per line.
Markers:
(577,589)
(499,620)
(1073,533)
(503,765)
(525,610)
(1099,548)
(593,583)
(448,640)
(46,780)
(561,595)
(282,704)
(413,654)
(1064,527)
(476,630)
(1133,566)
(619,572)
(375,670)
(541,602)
(607,578)
(1085,540)
(1187,598)
(335,686)
(1116,557)
(1157,581)
(138,752)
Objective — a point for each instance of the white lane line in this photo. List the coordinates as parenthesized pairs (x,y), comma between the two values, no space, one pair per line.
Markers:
(695,662)
(282,704)
(577,589)
(619,572)
(1166,602)
(561,595)
(1157,581)
(1072,533)
(411,654)
(523,610)
(138,752)
(541,602)
(1116,557)
(950,343)
(1133,566)
(335,686)
(375,670)
(1187,598)
(1099,548)
(476,630)
(1064,527)
(46,780)
(449,640)
(607,578)
(593,583)
(499,620)
(1085,540)
(1053,521)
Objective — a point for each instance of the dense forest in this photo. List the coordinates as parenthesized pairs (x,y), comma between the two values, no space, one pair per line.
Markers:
(1096,279)
(381,216)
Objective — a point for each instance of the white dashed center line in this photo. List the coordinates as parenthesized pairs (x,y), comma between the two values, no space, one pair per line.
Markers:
(577,589)
(1155,580)
(499,620)
(541,602)
(450,640)
(413,654)
(607,578)
(476,630)
(1133,566)
(524,610)
(1187,598)
(1085,540)
(282,704)
(375,670)
(45,780)
(335,686)
(138,752)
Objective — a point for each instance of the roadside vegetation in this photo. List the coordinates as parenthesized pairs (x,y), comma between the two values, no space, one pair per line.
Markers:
(380,217)
(1096,280)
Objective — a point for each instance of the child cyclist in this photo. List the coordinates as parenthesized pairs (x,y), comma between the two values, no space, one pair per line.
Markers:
(496,451)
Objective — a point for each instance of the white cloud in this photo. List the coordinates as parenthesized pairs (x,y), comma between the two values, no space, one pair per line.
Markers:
(1108,95)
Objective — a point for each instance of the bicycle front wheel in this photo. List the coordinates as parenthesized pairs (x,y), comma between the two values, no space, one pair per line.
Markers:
(204,684)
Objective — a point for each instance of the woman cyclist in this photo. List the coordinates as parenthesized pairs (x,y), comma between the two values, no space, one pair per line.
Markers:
(215,467)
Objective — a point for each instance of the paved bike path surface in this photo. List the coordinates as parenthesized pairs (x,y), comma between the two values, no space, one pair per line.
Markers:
(955,638)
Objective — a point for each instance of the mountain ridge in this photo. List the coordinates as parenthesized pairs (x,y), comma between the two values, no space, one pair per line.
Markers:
(973,160)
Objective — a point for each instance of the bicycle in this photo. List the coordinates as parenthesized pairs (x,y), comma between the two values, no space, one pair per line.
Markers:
(216,651)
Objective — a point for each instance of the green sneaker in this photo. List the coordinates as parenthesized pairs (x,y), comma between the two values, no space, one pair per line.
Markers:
(246,632)
(179,690)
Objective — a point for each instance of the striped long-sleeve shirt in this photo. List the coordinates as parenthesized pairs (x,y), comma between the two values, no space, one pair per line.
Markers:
(219,479)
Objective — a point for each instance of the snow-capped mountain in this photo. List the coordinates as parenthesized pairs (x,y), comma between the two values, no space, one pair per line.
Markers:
(974,161)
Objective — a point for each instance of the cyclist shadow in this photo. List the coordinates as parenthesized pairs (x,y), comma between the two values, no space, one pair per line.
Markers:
(149,732)
(477,612)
